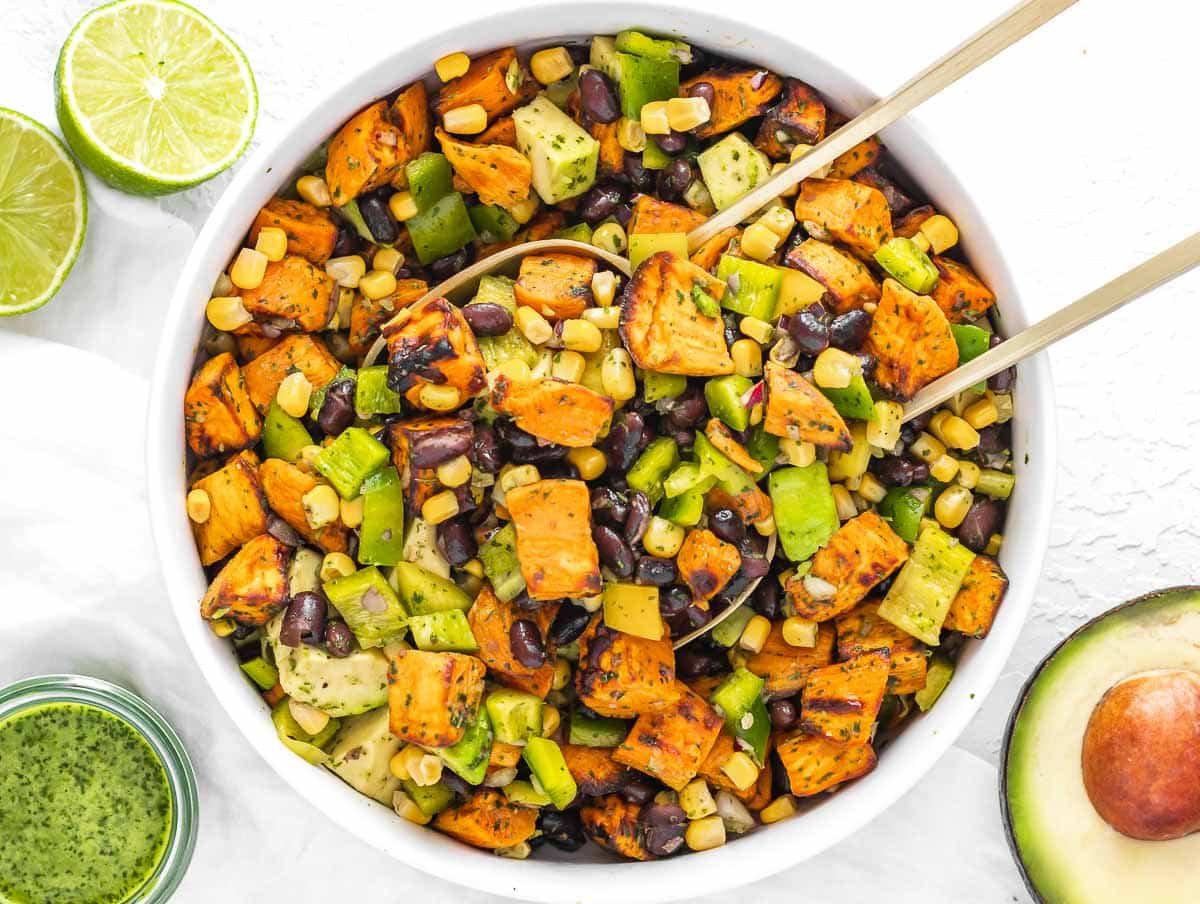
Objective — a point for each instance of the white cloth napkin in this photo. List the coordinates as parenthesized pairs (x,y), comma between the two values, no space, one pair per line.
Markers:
(82,592)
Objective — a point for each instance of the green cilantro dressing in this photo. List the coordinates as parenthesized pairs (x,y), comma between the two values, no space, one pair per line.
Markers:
(85,807)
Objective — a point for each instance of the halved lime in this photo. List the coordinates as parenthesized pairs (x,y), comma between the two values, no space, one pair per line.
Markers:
(43,213)
(153,97)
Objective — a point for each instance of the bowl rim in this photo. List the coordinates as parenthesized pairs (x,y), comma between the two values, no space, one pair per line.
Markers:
(786,844)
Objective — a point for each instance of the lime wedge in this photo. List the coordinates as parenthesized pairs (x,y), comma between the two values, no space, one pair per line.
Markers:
(43,213)
(153,97)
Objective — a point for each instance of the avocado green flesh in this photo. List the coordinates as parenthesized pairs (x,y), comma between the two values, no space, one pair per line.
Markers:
(1071,856)
(341,687)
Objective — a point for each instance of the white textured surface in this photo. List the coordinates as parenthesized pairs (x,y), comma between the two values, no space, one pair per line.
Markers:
(1079,144)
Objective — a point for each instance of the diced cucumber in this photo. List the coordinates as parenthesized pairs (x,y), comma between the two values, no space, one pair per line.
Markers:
(546,762)
(904,507)
(515,715)
(369,605)
(903,259)
(937,678)
(804,508)
(424,592)
(753,288)
(596,732)
(656,460)
(657,386)
(261,672)
(507,347)
(372,395)
(729,630)
(299,741)
(926,585)
(443,631)
(381,535)
(430,178)
(853,401)
(633,609)
(500,564)
(563,155)
(442,229)
(763,447)
(687,477)
(496,290)
(724,398)
(997,484)
(353,457)
(603,55)
(283,436)
(430,799)
(644,244)
(468,759)
(732,167)
(493,223)
(523,794)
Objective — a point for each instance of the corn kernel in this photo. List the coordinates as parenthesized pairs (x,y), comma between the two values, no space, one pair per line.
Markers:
(697,800)
(779,809)
(705,834)
(687,113)
(797,291)
(550,721)
(321,506)
(388,260)
(455,472)
(834,369)
(592,604)
(402,206)
(871,489)
(568,365)
(346,271)
(307,716)
(940,232)
(604,289)
(427,770)
(759,242)
(551,64)
(756,414)
(936,422)
(780,220)
(616,375)
(377,284)
(995,541)
(631,136)
(800,632)
(982,414)
(608,318)
(846,509)
(533,326)
(440,507)
(439,397)
(662,538)
(248,269)
(522,850)
(545,364)
(776,169)
(765,526)
(222,627)
(452,66)
(294,393)
(958,434)
(581,336)
(352,511)
(562,674)
(802,150)
(199,506)
(797,454)
(227,313)
(611,237)
(469,120)
(588,461)
(699,198)
(308,456)
(398,766)
(739,768)
(754,635)
(759,330)
(968,474)
(336,565)
(514,370)
(520,476)
(884,431)
(474,568)
(654,118)
(952,506)
(271,243)
(747,358)
(927,448)
(407,809)
(314,190)
(921,241)
(944,469)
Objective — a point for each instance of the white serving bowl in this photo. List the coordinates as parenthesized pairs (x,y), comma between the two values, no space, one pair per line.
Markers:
(590,875)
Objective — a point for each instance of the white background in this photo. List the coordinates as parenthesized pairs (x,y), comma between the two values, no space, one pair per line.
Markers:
(1080,145)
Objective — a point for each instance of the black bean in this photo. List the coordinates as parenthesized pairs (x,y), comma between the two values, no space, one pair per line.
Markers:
(783,714)
(569,622)
(849,331)
(488,319)
(694,617)
(525,640)
(639,517)
(894,471)
(685,439)
(609,506)
(655,571)
(600,202)
(705,90)
(674,179)
(433,447)
(673,602)
(638,790)
(672,143)
(625,440)
(867,362)
(337,411)
(697,660)
(920,472)
(983,519)
(810,333)
(339,639)
(218,343)
(635,171)
(727,525)
(687,409)
(445,267)
(524,448)
(663,827)
(614,552)
(1003,381)
(597,97)
(379,220)
(485,451)
(348,241)
(283,532)
(304,619)
(624,214)
(766,600)
(460,786)
(456,541)
(562,828)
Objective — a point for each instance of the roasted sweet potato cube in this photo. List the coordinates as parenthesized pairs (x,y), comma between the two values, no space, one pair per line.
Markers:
(239,508)
(556,285)
(364,155)
(295,292)
(726,443)
(544,224)
(491,619)
(861,630)
(752,504)
(672,741)
(848,283)
(311,232)
(553,519)
(911,340)
(501,131)
(595,770)
(612,822)
(284,486)
(815,764)
(295,352)
(974,607)
(798,118)
(911,224)
(706,563)
(368,315)
(410,113)
(661,325)
(860,554)
(432,696)
(497,174)
(250,346)
(487,83)
(652,216)
(857,159)
(708,255)
(433,344)
(218,413)
(418,446)
(624,676)
(757,795)
(854,214)
(960,294)
(504,755)
(252,586)
(740,95)
(797,410)
(785,668)
(612,155)
(841,701)
(556,411)
(487,820)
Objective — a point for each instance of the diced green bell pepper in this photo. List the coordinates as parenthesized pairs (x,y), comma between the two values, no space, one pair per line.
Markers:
(372,395)
(643,244)
(704,302)
(753,287)
(654,157)
(684,509)
(636,42)
(261,672)
(902,258)
(687,477)
(546,762)
(430,799)
(600,731)
(299,741)
(731,628)
(997,484)
(656,460)
(515,715)
(641,80)
(763,447)
(739,698)
(921,595)
(937,678)
(430,178)
(369,605)
(442,229)
(354,217)
(283,436)
(353,457)
(724,397)
(972,341)
(446,631)
(381,535)
(804,509)
(657,386)
(468,759)
(523,794)
(493,223)
(499,557)
(853,401)
(424,592)
(904,507)
(731,478)
(580,232)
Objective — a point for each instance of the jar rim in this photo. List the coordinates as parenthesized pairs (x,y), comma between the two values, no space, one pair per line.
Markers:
(135,712)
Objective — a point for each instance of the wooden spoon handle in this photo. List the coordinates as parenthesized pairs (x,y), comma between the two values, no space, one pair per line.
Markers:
(1015,24)
(1161,268)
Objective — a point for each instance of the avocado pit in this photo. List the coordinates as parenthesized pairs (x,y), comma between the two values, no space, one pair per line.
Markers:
(1141,755)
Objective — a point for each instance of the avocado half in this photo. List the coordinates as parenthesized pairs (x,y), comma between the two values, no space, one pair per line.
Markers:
(1068,854)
